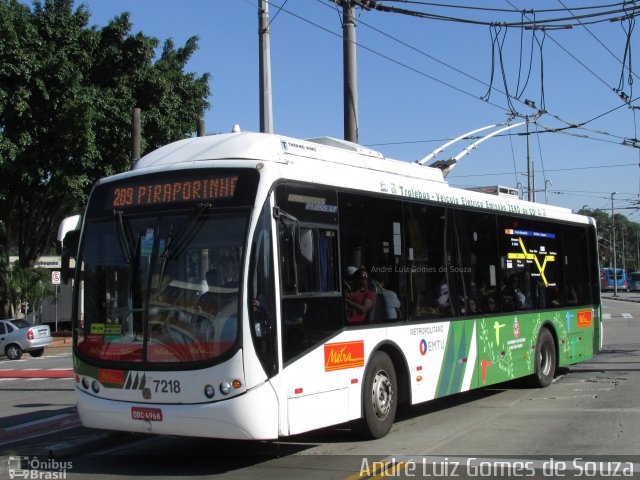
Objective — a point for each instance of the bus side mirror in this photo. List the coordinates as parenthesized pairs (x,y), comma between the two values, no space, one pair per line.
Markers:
(70,247)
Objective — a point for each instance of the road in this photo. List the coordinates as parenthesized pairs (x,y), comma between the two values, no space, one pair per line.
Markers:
(589,415)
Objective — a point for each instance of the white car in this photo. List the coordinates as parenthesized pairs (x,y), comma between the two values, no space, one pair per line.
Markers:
(17,336)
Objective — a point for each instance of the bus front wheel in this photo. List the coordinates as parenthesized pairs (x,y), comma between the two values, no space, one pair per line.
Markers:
(379,400)
(545,361)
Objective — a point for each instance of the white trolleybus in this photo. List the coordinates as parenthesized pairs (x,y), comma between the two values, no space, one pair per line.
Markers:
(254,286)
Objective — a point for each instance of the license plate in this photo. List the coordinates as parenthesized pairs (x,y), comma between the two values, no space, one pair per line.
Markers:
(43,333)
(146,413)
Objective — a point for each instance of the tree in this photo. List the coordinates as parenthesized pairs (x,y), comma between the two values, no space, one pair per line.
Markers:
(28,287)
(66,95)
(627,239)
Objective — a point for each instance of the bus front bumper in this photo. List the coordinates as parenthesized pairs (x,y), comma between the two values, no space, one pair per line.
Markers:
(251,416)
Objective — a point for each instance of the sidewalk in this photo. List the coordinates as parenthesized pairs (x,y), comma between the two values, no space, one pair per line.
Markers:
(622,296)
(61,342)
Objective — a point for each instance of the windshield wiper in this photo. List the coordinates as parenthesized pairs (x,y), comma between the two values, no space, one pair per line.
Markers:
(125,237)
(188,230)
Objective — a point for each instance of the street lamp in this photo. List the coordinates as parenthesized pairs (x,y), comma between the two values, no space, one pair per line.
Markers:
(613,229)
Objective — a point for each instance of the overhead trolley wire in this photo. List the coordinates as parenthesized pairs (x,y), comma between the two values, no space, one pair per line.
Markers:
(537,24)
(570,9)
(570,125)
(503,10)
(568,169)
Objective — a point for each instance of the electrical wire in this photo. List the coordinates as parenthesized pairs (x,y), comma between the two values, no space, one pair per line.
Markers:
(576,125)
(574,57)
(570,125)
(388,58)
(555,23)
(596,38)
(504,10)
(544,175)
(568,169)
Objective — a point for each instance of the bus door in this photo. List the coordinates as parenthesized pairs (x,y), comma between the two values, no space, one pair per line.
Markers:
(311,305)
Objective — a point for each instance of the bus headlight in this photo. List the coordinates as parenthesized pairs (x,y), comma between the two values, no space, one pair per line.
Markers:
(95,386)
(209,391)
(225,388)
(85,383)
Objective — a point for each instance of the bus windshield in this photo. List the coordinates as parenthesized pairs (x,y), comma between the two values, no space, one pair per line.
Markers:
(161,288)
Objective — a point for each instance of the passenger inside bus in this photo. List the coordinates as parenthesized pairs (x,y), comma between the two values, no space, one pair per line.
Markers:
(391,303)
(361,299)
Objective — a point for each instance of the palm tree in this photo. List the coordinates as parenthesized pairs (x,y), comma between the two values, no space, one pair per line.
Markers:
(27,285)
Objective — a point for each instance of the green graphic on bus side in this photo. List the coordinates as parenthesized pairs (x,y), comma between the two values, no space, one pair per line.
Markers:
(506,346)
(455,358)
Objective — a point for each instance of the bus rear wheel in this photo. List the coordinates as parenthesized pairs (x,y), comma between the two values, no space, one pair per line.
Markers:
(379,399)
(545,360)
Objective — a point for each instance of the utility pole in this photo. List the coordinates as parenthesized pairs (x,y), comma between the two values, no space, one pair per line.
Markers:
(637,251)
(624,261)
(613,229)
(266,114)
(349,71)
(531,196)
(136,135)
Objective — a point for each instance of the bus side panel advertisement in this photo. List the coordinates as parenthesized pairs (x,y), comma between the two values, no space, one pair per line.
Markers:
(338,356)
(506,344)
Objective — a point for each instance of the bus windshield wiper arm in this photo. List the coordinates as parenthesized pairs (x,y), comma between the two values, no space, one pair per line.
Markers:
(124,236)
(189,229)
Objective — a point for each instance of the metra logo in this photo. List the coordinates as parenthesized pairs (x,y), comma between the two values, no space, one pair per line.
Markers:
(135,381)
(584,319)
(113,377)
(338,356)
(430,346)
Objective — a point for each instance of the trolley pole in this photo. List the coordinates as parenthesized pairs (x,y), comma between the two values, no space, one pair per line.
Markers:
(266,113)
(613,246)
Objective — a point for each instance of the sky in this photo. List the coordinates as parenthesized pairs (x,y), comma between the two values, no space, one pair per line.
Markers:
(422,82)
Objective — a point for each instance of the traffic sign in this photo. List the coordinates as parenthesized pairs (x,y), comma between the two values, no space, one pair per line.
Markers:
(55,277)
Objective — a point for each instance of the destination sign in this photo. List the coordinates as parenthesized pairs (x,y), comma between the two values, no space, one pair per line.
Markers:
(165,191)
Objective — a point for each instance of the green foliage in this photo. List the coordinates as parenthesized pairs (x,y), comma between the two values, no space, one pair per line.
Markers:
(66,95)
(29,286)
(627,239)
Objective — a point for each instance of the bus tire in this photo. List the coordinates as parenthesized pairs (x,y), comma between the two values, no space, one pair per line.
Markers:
(379,399)
(545,360)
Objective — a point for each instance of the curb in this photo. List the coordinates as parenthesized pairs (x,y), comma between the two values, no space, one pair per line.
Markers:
(61,373)
(61,342)
(621,299)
